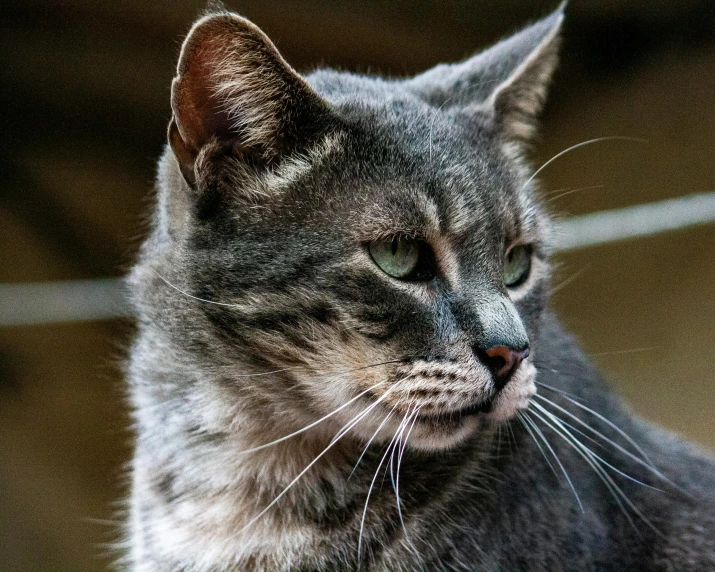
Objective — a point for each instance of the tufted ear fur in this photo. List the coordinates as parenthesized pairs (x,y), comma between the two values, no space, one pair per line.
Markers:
(508,81)
(234,91)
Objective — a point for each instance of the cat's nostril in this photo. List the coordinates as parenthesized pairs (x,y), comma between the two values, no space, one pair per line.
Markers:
(503,361)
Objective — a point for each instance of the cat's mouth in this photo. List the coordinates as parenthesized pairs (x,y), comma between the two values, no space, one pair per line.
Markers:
(455,416)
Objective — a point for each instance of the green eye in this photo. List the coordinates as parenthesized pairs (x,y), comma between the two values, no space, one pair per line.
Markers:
(517,265)
(397,257)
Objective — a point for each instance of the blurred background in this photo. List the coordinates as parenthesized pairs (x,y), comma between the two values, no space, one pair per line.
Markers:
(84,104)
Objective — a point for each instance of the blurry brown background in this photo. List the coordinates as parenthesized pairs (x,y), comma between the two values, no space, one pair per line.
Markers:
(84,104)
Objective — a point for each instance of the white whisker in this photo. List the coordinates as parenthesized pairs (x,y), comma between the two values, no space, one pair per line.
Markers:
(395,476)
(556,458)
(369,442)
(604,477)
(402,450)
(566,281)
(415,414)
(191,295)
(557,426)
(355,420)
(316,371)
(556,389)
(578,145)
(572,429)
(565,193)
(512,437)
(369,492)
(624,352)
(398,435)
(313,424)
(529,430)
(645,461)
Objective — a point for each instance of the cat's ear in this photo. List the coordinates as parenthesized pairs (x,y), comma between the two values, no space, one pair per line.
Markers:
(234,91)
(508,81)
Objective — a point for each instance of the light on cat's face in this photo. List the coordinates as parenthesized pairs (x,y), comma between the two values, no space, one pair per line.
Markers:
(384,230)
(396,302)
(463,382)
(391,303)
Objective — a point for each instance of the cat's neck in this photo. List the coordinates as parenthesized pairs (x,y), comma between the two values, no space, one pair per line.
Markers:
(218,479)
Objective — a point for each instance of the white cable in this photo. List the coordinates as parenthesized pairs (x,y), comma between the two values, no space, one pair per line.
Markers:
(85,300)
(67,301)
(640,220)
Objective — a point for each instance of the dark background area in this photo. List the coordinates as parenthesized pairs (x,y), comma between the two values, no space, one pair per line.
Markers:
(84,104)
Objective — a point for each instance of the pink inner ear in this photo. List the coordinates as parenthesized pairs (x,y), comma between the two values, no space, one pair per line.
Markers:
(232,86)
(197,111)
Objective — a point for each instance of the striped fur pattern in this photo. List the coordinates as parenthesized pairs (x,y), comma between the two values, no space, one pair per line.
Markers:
(296,408)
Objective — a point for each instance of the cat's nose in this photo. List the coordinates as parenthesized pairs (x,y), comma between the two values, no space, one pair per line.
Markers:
(503,361)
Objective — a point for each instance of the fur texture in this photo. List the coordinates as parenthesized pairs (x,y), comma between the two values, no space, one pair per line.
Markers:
(297,408)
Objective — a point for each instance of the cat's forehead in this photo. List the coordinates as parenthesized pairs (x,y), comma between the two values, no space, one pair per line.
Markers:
(413,168)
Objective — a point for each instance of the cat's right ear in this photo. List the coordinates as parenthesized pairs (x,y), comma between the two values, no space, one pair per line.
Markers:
(234,93)
(506,82)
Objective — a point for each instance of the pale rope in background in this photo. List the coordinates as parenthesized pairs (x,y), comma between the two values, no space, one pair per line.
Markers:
(640,220)
(66,301)
(85,300)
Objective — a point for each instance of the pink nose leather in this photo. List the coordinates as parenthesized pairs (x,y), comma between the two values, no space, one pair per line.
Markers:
(511,359)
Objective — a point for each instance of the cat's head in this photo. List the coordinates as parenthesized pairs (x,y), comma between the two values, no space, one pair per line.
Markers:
(376,241)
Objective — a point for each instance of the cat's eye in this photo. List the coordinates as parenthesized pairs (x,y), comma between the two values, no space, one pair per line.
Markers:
(401,257)
(517,265)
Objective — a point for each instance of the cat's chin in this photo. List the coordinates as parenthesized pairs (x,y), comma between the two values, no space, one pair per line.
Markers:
(515,396)
(431,433)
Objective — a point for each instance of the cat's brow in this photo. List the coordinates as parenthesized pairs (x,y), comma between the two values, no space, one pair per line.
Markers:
(296,167)
(420,219)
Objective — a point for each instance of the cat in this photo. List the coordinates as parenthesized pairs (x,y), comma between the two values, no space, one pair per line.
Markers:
(345,357)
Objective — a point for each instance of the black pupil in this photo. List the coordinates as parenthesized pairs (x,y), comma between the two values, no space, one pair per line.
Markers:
(394,245)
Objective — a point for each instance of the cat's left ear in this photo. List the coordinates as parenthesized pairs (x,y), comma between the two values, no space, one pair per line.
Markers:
(507,81)
(234,92)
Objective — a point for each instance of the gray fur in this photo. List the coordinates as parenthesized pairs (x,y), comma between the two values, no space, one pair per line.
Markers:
(260,312)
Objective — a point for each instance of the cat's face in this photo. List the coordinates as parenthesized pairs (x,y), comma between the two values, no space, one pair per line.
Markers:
(377,242)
